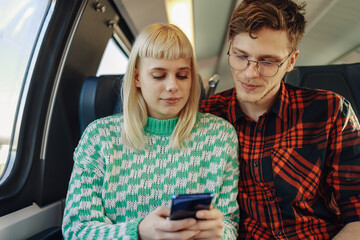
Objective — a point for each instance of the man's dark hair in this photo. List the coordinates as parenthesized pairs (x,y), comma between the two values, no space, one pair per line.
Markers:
(252,15)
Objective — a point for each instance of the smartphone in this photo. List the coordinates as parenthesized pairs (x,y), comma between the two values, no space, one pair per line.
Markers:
(186,205)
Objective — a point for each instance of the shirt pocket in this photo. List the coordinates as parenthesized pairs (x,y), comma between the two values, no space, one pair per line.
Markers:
(297,172)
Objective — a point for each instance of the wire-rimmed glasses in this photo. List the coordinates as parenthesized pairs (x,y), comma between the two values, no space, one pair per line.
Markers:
(264,68)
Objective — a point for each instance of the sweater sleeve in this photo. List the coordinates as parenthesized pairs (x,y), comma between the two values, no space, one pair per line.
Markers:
(84,215)
(227,200)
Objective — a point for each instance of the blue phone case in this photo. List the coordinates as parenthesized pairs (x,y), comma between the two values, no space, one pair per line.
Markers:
(186,205)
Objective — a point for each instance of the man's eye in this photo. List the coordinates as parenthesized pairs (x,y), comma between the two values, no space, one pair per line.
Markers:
(241,57)
(266,63)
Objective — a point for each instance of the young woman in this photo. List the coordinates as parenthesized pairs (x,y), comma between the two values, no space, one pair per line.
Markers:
(128,166)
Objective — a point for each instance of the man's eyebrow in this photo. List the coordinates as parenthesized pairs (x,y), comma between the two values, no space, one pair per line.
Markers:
(268,56)
(239,50)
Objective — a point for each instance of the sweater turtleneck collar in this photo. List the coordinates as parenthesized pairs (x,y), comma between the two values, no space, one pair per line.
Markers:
(160,127)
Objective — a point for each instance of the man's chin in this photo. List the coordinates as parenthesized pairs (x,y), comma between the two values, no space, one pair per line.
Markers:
(245,98)
(242,100)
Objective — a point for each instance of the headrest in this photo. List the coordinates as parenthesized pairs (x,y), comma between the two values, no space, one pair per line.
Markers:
(341,79)
(99,97)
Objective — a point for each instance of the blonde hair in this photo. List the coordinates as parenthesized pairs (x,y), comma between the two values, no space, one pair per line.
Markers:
(158,41)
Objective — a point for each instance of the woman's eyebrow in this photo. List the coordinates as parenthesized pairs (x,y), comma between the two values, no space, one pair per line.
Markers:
(158,69)
(184,68)
(164,69)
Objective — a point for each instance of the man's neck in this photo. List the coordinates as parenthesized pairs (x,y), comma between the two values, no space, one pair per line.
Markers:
(255,110)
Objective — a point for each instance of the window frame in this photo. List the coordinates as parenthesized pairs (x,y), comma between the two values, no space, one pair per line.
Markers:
(18,189)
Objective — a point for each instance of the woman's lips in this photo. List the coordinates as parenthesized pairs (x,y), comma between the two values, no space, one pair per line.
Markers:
(171,100)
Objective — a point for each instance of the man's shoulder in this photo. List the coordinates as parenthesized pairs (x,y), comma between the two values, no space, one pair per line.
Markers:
(312,94)
(218,104)
(223,96)
(219,99)
(317,102)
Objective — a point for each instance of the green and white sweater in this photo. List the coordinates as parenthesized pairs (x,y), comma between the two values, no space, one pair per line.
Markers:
(113,188)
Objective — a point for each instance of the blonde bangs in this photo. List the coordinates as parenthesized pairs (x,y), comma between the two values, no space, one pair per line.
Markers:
(167,44)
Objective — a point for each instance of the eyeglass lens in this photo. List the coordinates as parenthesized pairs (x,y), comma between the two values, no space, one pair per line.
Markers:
(265,69)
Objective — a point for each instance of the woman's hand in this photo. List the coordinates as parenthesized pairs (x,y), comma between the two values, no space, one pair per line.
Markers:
(210,224)
(155,226)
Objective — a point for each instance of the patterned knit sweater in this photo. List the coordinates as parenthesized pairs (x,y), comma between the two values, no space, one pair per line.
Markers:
(113,188)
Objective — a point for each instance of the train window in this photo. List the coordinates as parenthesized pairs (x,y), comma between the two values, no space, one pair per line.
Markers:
(114,60)
(20,28)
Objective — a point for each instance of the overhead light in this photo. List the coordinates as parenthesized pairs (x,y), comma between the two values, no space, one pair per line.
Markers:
(180,13)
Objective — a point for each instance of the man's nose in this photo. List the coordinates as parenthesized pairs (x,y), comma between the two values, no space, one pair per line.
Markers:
(252,69)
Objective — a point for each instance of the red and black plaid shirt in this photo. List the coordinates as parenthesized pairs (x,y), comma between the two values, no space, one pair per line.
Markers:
(299,164)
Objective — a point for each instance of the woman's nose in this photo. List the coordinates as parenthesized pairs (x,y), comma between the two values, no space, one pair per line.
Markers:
(172,84)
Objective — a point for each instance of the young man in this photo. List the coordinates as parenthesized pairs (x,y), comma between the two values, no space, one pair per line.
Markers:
(299,149)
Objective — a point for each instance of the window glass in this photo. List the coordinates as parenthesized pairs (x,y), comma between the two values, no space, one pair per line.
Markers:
(21,22)
(114,60)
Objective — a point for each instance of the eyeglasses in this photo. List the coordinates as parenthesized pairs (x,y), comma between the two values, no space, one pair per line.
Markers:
(264,68)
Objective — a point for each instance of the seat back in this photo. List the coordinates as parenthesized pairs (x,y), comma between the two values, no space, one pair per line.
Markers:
(342,79)
(100,97)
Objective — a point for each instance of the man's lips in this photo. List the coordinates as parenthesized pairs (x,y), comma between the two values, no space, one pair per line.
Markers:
(249,87)
(171,100)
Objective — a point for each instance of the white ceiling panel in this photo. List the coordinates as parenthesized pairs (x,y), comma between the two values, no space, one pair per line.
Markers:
(335,33)
(333,30)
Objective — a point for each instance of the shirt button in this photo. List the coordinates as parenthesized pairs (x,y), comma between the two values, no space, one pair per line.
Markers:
(270,199)
(278,232)
(255,164)
(259,129)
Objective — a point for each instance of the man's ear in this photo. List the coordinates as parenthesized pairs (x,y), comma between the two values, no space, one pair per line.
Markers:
(293,58)
(136,78)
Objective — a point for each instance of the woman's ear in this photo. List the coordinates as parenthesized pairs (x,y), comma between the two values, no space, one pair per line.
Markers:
(136,77)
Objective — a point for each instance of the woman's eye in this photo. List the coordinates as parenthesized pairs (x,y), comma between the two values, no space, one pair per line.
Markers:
(158,77)
(182,76)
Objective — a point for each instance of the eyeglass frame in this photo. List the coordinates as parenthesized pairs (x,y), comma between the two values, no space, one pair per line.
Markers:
(257,63)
